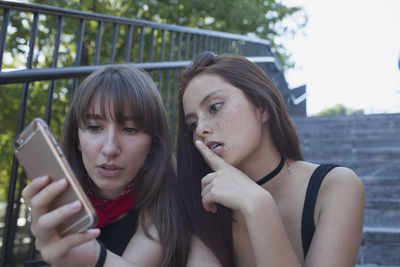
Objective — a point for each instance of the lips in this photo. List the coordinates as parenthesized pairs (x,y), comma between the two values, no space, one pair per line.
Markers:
(216,147)
(109,170)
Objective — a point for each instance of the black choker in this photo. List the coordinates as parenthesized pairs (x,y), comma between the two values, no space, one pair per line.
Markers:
(273,173)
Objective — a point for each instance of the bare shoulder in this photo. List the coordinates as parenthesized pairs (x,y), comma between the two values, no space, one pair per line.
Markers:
(342,180)
(341,188)
(144,247)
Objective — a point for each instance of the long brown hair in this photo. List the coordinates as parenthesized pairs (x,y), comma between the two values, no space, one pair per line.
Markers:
(132,90)
(215,230)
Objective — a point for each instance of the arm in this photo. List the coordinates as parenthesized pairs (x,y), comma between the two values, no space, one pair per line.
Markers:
(339,220)
(78,249)
(268,237)
(200,255)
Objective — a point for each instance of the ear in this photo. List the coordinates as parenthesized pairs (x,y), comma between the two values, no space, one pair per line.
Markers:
(264,116)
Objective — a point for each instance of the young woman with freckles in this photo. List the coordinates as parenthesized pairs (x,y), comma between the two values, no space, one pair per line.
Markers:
(117,141)
(248,194)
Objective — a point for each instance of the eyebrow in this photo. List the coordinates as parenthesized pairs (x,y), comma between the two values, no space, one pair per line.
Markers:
(94,116)
(208,96)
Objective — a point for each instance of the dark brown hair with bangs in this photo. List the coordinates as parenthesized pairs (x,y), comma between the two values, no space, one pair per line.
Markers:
(132,93)
(215,230)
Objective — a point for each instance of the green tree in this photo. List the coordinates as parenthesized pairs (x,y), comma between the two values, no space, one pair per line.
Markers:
(266,19)
(339,109)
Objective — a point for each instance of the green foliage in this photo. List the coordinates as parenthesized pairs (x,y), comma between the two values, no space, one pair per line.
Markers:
(266,19)
(339,109)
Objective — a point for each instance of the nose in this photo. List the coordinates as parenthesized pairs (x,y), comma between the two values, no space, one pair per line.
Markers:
(203,128)
(111,146)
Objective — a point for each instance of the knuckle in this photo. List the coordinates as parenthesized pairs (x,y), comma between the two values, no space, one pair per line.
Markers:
(42,223)
(34,203)
(213,192)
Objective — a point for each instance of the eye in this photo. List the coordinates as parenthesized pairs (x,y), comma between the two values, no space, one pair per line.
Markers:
(130,130)
(215,107)
(93,128)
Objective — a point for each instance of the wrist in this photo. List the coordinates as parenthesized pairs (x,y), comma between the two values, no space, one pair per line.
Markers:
(257,204)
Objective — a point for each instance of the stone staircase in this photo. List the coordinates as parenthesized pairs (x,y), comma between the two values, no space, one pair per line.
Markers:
(370,146)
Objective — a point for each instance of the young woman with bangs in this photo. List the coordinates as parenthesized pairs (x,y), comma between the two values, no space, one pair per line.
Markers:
(117,141)
(248,194)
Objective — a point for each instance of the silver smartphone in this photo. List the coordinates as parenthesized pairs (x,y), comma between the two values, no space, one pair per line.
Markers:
(39,154)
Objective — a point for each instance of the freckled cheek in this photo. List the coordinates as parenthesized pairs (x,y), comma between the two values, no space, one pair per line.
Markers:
(230,117)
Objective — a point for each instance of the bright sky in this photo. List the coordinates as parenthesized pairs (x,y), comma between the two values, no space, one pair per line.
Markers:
(349,55)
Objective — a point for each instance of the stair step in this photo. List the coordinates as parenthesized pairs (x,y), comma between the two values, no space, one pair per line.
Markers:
(386,187)
(382,212)
(380,246)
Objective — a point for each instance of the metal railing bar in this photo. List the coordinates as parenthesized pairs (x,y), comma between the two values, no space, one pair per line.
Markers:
(220,45)
(179,48)
(27,75)
(3,34)
(160,74)
(186,53)
(78,53)
(200,43)
(31,249)
(50,10)
(128,47)
(175,86)
(194,41)
(54,65)
(20,76)
(264,59)
(97,45)
(205,44)
(141,44)
(170,54)
(32,40)
(113,43)
(6,248)
(152,41)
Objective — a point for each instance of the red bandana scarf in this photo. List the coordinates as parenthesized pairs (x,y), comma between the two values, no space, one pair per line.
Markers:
(109,210)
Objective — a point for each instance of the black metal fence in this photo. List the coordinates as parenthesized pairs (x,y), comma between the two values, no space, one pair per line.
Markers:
(46,50)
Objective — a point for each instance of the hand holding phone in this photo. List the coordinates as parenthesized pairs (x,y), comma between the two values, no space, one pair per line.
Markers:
(39,154)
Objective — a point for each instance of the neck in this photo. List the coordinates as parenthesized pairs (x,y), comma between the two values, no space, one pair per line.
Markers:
(273,173)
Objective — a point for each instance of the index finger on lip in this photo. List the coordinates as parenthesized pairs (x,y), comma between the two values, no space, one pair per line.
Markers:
(213,160)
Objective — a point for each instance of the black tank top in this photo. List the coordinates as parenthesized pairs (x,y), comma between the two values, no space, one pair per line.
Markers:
(307,220)
(116,236)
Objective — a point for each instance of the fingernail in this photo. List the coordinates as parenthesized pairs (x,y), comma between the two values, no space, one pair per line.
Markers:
(41,179)
(61,182)
(75,205)
(94,232)
(198,142)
